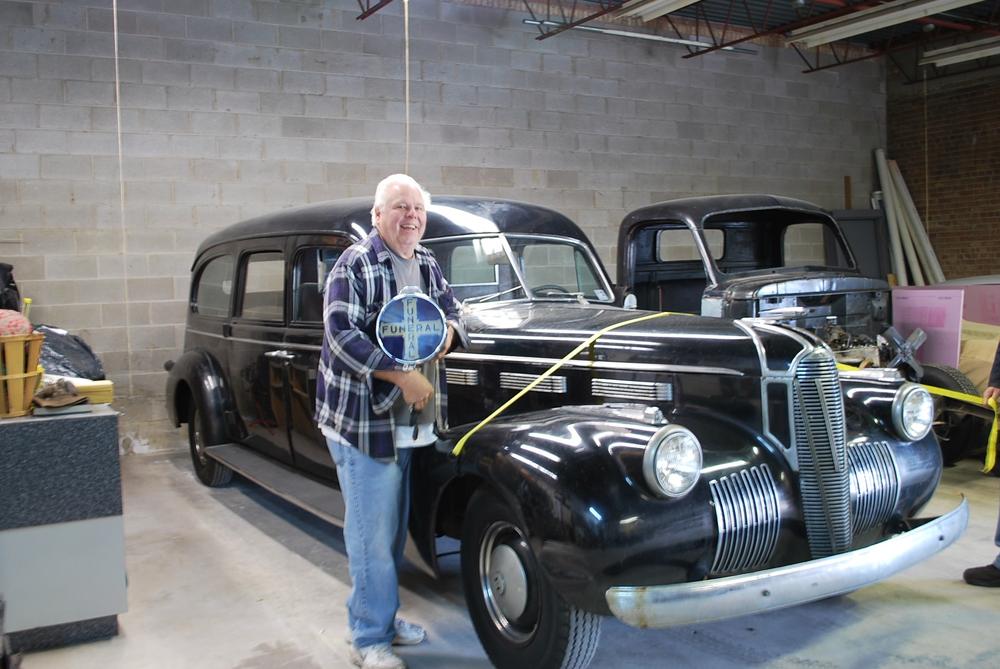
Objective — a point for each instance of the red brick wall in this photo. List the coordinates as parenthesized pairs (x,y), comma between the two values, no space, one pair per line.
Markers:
(947,144)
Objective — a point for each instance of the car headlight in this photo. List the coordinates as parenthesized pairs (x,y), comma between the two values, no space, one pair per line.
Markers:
(913,411)
(672,462)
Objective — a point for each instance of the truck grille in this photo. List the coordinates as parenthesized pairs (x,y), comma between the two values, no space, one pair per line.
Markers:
(748,516)
(821,450)
(874,484)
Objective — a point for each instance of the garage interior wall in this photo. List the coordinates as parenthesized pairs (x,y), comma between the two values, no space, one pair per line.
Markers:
(232,108)
(945,135)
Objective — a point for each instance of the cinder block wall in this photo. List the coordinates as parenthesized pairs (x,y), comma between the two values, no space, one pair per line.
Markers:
(946,139)
(230,108)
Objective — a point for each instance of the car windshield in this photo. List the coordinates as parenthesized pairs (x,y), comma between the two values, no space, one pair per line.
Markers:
(515,267)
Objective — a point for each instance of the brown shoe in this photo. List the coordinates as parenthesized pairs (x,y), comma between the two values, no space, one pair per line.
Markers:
(988,576)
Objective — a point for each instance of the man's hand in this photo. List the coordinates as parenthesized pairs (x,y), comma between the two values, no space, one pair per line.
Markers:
(417,390)
(447,343)
(992,392)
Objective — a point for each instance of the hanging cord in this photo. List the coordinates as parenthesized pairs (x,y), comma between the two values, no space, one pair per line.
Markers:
(927,169)
(121,200)
(406,75)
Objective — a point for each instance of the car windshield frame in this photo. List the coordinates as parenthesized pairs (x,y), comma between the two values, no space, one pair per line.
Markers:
(720,269)
(516,286)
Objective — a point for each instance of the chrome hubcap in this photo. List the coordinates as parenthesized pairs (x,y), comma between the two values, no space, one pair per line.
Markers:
(505,582)
(508,581)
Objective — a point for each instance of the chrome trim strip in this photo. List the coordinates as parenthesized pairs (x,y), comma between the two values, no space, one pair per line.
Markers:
(264,342)
(886,374)
(515,381)
(547,362)
(462,377)
(652,391)
(596,364)
(732,596)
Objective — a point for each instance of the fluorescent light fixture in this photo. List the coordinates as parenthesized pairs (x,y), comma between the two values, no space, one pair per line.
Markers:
(646,36)
(960,53)
(647,10)
(873,18)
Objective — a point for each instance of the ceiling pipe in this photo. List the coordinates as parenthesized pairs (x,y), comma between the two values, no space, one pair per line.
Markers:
(929,20)
(871,19)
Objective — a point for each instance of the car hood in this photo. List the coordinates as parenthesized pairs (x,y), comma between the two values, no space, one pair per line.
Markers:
(540,331)
(778,283)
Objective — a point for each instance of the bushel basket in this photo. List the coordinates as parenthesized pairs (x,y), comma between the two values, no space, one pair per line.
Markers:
(19,373)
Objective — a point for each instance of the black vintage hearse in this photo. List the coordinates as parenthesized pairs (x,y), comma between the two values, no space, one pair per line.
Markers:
(668,469)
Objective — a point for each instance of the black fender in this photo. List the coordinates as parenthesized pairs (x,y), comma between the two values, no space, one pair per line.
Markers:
(868,412)
(199,378)
(573,477)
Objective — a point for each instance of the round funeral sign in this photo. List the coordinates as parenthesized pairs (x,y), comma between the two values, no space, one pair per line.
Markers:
(411,327)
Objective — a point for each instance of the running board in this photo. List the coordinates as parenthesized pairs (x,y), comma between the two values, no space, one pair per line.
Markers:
(321,500)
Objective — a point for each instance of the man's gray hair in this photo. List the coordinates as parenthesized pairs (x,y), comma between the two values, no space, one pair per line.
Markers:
(392,180)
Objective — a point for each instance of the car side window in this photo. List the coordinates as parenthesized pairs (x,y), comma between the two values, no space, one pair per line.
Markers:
(312,265)
(473,267)
(213,288)
(263,286)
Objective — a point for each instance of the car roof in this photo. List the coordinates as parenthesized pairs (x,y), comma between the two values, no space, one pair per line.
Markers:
(447,216)
(693,210)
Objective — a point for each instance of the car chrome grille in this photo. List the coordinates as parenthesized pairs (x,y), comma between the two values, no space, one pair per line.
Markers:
(748,516)
(632,390)
(513,381)
(874,484)
(462,377)
(821,450)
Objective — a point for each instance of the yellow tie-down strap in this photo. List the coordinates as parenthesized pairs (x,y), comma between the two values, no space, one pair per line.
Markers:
(550,371)
(991,443)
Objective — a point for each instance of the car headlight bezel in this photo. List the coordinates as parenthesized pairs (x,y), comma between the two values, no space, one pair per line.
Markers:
(903,411)
(684,457)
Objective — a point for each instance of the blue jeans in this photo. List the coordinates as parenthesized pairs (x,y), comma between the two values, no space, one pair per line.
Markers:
(377,503)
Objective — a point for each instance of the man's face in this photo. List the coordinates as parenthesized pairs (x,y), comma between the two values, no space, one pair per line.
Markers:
(402,219)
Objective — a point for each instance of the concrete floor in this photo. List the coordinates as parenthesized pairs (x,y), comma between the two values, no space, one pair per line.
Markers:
(236,578)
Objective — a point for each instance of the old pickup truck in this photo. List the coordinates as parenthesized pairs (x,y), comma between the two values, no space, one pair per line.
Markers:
(788,261)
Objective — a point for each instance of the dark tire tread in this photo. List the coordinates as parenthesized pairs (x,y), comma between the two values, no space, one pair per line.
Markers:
(566,637)
(212,473)
(956,437)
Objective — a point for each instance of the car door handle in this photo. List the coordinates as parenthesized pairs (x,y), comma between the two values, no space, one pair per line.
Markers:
(279,355)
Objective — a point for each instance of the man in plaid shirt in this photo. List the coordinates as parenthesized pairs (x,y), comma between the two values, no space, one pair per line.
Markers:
(363,405)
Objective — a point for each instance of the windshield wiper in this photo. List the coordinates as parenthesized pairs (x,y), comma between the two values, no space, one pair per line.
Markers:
(579,297)
(483,298)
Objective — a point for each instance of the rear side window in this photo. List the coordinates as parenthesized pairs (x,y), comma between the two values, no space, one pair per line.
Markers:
(214,287)
(263,287)
(678,244)
(312,264)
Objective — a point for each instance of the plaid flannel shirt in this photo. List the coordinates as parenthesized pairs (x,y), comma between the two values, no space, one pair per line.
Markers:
(349,399)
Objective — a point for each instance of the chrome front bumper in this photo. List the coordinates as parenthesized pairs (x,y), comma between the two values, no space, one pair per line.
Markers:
(732,596)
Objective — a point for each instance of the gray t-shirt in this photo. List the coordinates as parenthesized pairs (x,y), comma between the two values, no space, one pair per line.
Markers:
(407,273)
